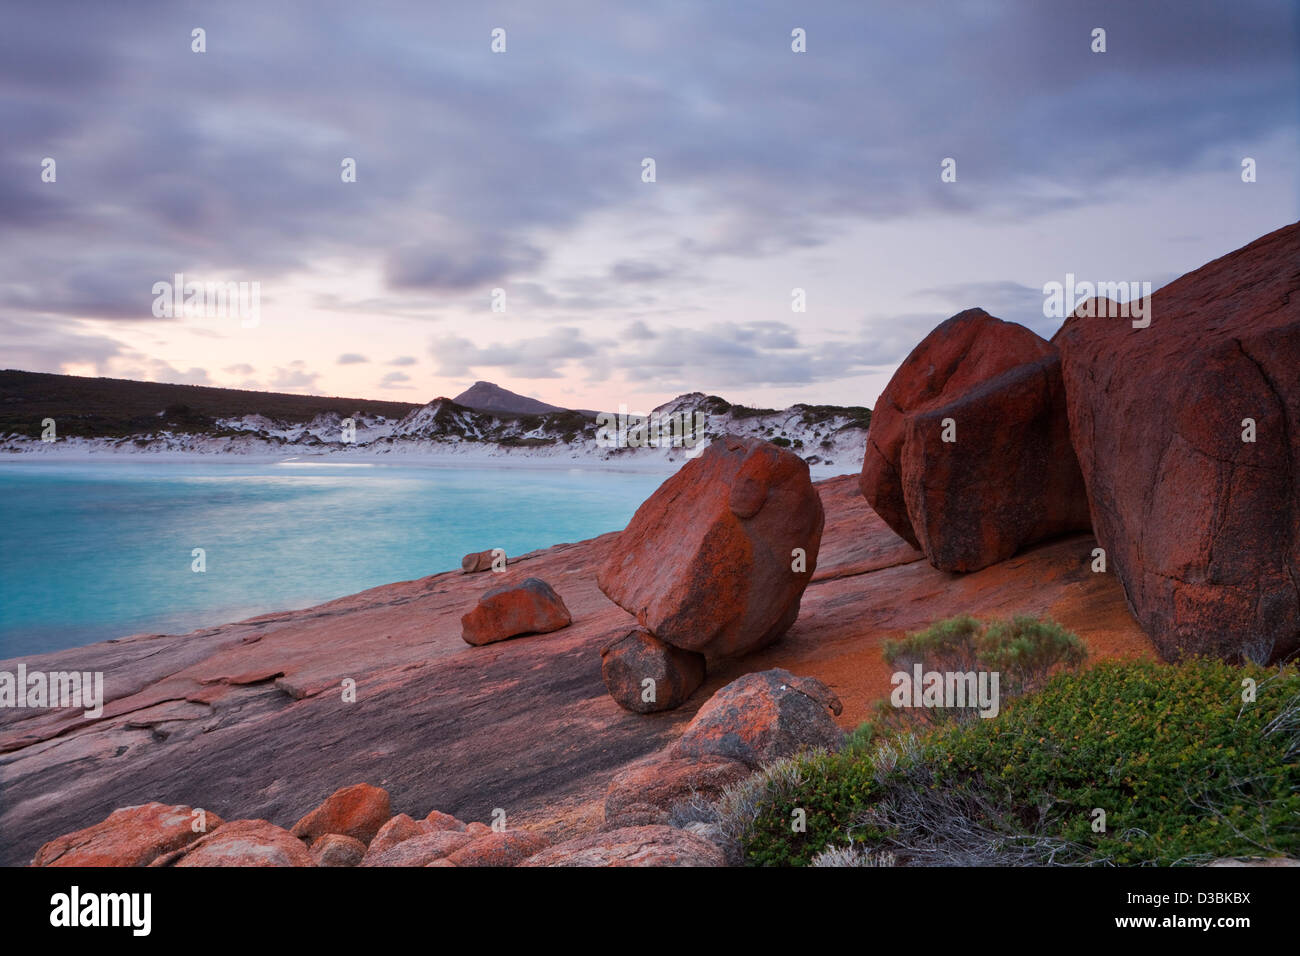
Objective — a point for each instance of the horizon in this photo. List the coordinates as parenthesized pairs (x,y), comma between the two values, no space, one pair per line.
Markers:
(522,172)
(391,399)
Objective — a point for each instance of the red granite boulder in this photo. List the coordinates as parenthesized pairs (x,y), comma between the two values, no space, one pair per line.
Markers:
(969,455)
(242,843)
(717,559)
(479,561)
(357,811)
(336,850)
(1201,525)
(130,836)
(419,850)
(638,657)
(499,848)
(762,717)
(509,610)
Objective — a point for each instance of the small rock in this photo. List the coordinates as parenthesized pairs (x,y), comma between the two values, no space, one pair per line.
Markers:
(419,851)
(638,656)
(437,820)
(357,811)
(500,848)
(478,561)
(335,849)
(397,830)
(509,610)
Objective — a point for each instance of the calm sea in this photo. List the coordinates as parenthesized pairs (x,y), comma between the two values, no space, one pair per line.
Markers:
(94,551)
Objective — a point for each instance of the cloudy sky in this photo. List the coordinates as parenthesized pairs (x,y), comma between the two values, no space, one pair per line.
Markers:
(523,171)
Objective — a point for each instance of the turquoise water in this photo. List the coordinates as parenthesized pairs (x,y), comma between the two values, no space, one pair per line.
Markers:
(94,551)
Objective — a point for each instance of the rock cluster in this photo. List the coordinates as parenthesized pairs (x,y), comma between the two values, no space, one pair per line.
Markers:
(1172,433)
(758,718)
(969,457)
(352,827)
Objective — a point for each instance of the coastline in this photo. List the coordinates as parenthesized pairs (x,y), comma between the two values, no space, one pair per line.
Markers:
(82,452)
(231,717)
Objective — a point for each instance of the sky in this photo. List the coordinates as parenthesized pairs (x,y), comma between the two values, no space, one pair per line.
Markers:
(523,171)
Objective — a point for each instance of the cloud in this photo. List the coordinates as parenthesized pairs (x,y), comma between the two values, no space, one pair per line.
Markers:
(351,358)
(395,380)
(460,266)
(294,377)
(45,346)
(402,360)
(241,368)
(681,358)
(523,171)
(632,271)
(537,357)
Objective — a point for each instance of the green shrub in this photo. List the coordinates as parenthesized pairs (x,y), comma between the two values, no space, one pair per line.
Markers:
(1183,768)
(745,411)
(1023,651)
(830,789)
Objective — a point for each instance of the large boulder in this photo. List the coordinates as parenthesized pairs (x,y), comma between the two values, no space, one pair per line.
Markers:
(509,610)
(1008,477)
(1201,526)
(717,559)
(632,846)
(130,836)
(357,811)
(242,843)
(763,717)
(637,656)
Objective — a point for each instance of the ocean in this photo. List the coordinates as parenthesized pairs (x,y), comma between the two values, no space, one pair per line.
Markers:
(97,551)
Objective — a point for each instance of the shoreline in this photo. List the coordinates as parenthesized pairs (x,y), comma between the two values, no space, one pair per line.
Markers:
(503,459)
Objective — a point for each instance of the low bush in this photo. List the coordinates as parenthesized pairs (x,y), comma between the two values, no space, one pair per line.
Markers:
(1184,766)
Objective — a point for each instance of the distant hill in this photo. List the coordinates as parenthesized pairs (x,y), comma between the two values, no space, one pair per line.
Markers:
(489,397)
(109,407)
